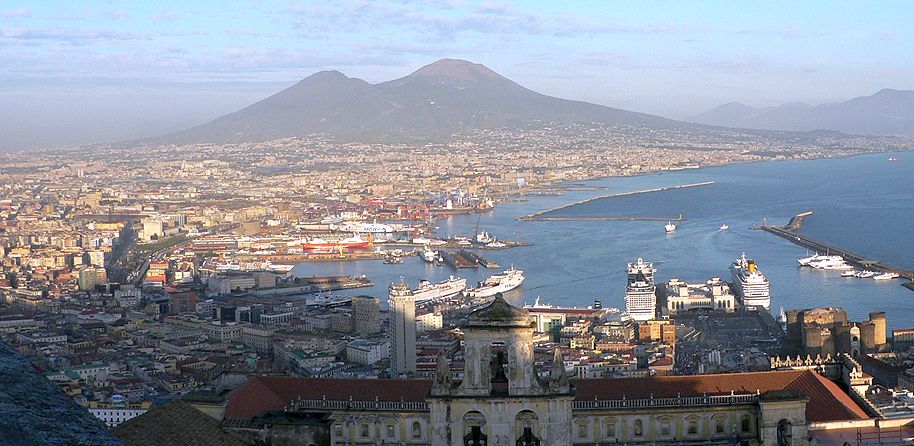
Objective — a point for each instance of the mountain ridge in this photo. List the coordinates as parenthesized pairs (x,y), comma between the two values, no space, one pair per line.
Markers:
(888,112)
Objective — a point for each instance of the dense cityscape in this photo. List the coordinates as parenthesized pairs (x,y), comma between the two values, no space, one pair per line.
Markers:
(132,278)
(456,223)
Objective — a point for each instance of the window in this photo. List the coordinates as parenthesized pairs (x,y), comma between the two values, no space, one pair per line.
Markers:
(693,427)
(639,428)
(417,429)
(785,433)
(364,430)
(611,428)
(390,431)
(665,428)
(718,426)
(745,424)
(582,430)
(338,430)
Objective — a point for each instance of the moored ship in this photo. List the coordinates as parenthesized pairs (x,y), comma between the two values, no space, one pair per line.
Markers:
(319,244)
(640,294)
(751,285)
(432,291)
(498,283)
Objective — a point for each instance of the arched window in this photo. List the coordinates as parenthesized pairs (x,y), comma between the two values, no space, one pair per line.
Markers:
(417,429)
(785,433)
(745,423)
(638,429)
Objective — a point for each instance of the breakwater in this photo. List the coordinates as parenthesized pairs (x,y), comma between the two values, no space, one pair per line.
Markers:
(542,215)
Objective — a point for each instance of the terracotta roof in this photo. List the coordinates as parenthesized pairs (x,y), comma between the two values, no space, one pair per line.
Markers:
(267,393)
(827,401)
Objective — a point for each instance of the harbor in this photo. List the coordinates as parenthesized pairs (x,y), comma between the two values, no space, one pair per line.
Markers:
(791,233)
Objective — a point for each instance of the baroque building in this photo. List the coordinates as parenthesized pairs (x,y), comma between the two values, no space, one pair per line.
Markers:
(501,400)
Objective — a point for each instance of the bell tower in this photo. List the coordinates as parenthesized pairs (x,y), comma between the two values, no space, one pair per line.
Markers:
(501,398)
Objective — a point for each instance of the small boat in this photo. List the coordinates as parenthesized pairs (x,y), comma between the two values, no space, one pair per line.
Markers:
(670,227)
(724,227)
(866,274)
(850,273)
(886,276)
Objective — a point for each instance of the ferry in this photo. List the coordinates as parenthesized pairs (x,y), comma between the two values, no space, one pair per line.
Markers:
(640,294)
(319,244)
(807,261)
(327,300)
(834,263)
(751,285)
(428,291)
(498,283)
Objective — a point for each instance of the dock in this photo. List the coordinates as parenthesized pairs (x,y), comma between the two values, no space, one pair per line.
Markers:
(538,216)
(480,260)
(790,233)
(457,260)
(677,218)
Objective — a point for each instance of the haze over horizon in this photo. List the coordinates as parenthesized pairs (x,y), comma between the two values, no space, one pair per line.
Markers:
(108,71)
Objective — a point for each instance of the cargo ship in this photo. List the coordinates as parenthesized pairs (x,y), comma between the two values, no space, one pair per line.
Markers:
(498,283)
(751,285)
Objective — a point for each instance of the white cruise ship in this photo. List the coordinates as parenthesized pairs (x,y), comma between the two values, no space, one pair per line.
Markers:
(640,296)
(498,283)
(751,285)
(432,291)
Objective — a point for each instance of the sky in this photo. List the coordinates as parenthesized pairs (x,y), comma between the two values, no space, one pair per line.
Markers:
(99,71)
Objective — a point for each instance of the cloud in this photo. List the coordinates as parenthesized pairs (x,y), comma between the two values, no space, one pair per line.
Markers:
(17,12)
(72,36)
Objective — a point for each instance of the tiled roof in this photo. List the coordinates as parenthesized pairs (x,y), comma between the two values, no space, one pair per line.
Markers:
(827,402)
(267,393)
(174,424)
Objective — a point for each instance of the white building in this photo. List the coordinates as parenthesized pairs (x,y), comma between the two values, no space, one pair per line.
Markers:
(367,352)
(429,321)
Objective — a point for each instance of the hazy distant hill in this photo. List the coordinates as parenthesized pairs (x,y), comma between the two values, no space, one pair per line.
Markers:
(434,101)
(888,112)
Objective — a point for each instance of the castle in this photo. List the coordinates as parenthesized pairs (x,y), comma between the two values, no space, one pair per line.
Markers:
(502,401)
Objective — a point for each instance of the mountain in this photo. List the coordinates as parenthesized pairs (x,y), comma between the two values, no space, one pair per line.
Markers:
(433,102)
(888,112)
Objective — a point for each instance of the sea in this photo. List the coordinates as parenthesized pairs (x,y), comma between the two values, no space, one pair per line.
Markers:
(863,203)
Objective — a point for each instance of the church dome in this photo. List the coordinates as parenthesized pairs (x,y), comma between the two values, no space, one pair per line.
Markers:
(499,313)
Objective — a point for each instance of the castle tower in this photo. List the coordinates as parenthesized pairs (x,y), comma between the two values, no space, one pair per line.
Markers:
(402,310)
(879,334)
(501,399)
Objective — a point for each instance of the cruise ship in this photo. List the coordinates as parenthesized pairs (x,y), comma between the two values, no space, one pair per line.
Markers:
(640,296)
(498,283)
(751,285)
(432,291)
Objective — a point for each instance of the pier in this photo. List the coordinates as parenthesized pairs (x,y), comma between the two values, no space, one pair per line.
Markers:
(480,260)
(539,216)
(789,232)
(457,259)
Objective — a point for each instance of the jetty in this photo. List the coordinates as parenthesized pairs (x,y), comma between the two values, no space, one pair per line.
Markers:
(790,232)
(458,259)
(539,216)
(480,260)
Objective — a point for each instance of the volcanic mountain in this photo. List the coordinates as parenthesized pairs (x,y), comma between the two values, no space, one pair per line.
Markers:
(435,101)
(888,112)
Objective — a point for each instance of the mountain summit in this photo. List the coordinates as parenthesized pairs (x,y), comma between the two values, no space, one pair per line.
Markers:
(435,101)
